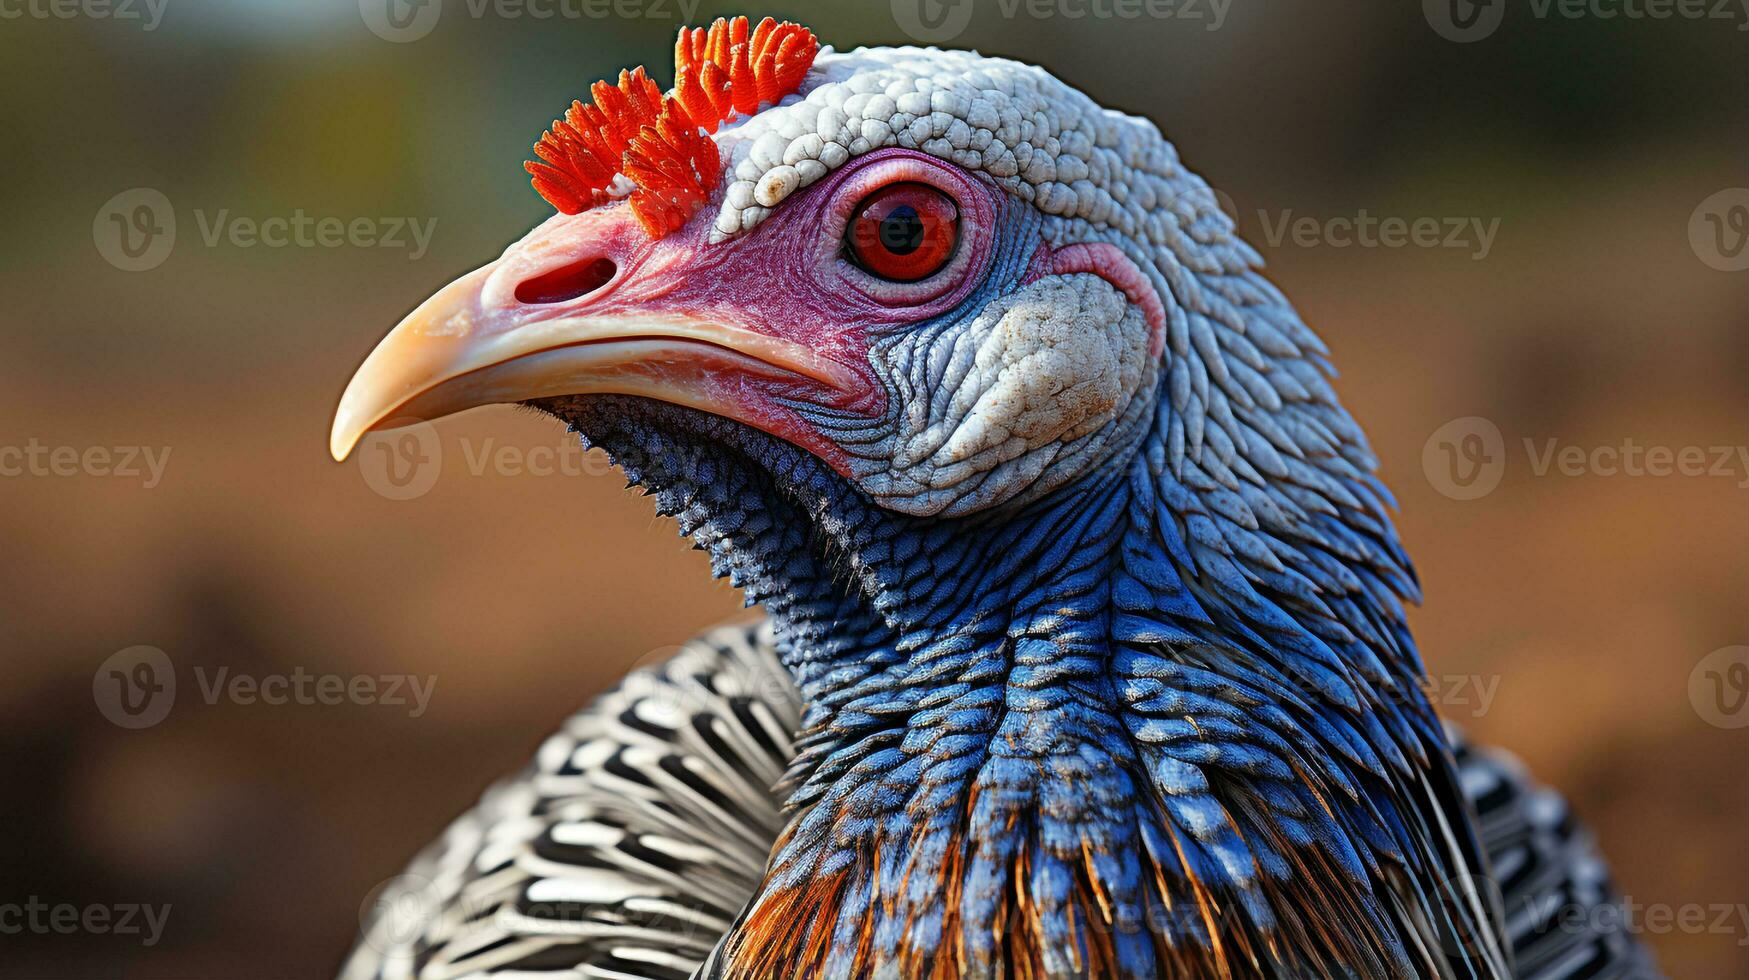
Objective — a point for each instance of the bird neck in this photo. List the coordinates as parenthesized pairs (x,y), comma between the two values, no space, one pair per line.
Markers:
(1071,741)
(962,743)
(995,636)
(1114,732)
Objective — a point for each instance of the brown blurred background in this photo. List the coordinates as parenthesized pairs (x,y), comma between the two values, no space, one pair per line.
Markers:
(1565,615)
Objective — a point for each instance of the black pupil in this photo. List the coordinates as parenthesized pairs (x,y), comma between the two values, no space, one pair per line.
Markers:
(901,230)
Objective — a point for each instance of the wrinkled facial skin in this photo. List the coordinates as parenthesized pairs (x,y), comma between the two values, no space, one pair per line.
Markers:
(997,379)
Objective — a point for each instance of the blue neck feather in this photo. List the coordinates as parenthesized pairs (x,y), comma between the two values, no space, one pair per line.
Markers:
(1087,709)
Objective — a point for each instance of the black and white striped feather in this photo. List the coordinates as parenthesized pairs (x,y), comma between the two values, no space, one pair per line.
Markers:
(1552,886)
(627,847)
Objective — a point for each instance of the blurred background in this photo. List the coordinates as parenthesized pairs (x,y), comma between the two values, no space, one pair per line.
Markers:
(167,377)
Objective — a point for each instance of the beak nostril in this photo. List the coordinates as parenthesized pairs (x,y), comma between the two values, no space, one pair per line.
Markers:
(567,282)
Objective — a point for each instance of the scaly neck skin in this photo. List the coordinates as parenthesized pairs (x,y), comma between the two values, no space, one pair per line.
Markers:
(1066,740)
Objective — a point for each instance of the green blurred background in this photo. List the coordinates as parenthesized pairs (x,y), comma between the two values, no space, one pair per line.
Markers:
(1582,603)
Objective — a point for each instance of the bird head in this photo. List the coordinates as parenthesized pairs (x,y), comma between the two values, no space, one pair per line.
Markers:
(1076,558)
(895,271)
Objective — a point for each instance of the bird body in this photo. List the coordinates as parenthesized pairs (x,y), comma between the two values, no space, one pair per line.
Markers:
(1086,652)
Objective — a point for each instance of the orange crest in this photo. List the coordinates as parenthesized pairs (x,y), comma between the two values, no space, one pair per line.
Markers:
(658,140)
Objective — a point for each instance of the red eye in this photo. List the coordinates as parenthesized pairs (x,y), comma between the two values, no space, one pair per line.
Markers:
(903,232)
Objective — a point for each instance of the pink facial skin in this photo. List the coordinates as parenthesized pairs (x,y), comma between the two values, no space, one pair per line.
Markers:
(786,278)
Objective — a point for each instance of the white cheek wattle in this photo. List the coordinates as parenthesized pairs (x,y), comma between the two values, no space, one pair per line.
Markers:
(1020,401)
(1108,262)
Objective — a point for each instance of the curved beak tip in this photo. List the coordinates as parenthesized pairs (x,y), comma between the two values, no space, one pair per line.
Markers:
(349,426)
(340,445)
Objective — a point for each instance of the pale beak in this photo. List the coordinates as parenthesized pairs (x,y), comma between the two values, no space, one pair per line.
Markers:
(474,343)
